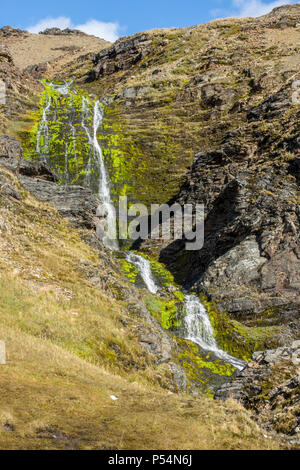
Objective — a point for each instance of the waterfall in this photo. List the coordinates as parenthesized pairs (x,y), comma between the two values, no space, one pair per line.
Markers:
(94,166)
(144,267)
(196,327)
(104,190)
(85,115)
(43,129)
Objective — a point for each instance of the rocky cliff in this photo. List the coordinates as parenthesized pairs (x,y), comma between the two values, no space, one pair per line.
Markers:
(210,114)
(207,114)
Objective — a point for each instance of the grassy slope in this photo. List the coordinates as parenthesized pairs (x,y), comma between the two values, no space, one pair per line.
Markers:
(61,334)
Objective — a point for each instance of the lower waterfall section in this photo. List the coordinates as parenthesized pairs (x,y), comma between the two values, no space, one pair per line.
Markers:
(195,324)
(197,328)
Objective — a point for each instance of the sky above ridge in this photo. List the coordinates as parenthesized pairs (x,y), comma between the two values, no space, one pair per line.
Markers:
(115,18)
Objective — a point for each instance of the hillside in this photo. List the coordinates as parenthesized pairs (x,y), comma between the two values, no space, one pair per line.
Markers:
(206,114)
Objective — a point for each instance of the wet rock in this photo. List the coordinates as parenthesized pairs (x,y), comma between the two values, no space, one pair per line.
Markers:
(37,169)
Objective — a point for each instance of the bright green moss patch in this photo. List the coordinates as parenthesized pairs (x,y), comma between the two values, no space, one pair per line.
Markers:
(129,271)
(62,140)
(160,272)
(167,312)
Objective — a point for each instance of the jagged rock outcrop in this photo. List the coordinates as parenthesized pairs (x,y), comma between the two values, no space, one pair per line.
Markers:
(270,386)
(61,32)
(121,56)
(9,31)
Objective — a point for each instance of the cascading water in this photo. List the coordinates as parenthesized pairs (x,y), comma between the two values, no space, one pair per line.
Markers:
(104,190)
(144,268)
(43,130)
(90,120)
(196,326)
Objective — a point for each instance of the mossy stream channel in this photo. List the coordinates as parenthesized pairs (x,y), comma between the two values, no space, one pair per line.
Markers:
(66,133)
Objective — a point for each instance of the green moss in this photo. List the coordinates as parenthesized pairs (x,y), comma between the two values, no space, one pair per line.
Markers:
(202,369)
(167,311)
(129,271)
(237,339)
(164,276)
(67,150)
(136,152)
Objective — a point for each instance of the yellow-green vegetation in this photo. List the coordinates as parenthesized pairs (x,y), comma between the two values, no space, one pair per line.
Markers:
(128,150)
(129,271)
(168,311)
(67,148)
(163,277)
(68,352)
(202,369)
(238,339)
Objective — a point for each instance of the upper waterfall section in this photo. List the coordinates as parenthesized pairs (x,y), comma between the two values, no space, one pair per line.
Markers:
(63,134)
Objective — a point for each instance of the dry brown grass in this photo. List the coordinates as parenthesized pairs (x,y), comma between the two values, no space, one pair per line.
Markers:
(34,49)
(54,399)
(58,329)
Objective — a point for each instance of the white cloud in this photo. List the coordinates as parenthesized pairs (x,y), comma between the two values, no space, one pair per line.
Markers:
(257,7)
(108,31)
(244,8)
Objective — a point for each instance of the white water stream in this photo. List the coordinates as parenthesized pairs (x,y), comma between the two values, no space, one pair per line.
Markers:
(196,326)
(95,156)
(43,130)
(144,268)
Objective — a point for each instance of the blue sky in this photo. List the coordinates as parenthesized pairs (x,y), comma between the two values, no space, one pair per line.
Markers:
(113,18)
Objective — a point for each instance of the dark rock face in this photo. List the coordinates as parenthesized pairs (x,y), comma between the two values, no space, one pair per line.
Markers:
(250,261)
(5,55)
(270,386)
(10,148)
(76,203)
(9,31)
(17,85)
(249,382)
(121,56)
(61,32)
